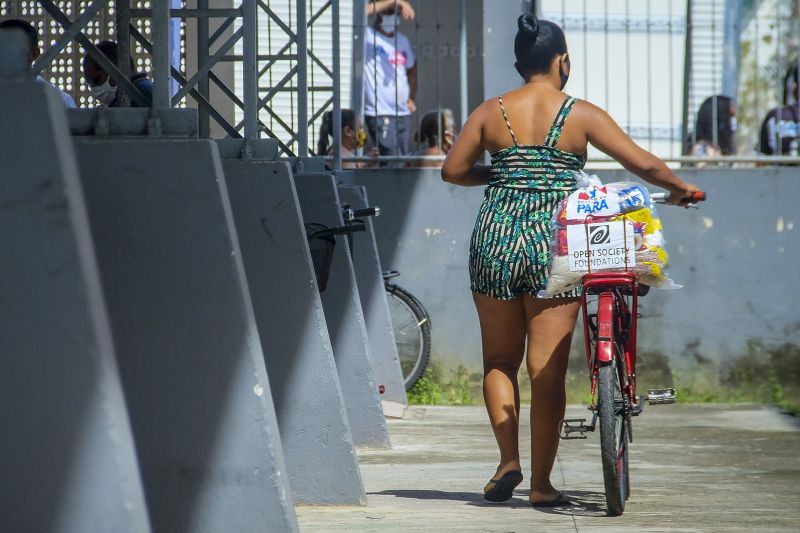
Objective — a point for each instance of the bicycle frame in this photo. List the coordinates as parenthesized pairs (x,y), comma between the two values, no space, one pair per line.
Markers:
(615,291)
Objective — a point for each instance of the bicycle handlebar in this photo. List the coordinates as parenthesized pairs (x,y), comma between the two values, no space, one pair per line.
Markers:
(661,197)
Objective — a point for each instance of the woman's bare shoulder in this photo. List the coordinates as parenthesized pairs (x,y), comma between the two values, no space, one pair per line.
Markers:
(587,110)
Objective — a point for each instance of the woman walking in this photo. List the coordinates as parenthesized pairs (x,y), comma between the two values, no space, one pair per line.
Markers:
(537,137)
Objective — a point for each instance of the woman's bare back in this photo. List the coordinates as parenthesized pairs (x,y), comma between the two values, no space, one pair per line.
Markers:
(530,112)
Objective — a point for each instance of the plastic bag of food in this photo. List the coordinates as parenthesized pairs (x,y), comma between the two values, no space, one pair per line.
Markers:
(612,227)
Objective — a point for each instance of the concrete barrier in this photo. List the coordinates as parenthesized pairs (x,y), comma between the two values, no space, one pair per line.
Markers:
(188,347)
(319,202)
(305,385)
(367,267)
(66,454)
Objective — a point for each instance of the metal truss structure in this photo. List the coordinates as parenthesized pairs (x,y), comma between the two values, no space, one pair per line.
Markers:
(145,26)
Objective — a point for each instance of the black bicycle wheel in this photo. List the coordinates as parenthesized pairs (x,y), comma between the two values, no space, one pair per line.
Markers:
(412,333)
(613,438)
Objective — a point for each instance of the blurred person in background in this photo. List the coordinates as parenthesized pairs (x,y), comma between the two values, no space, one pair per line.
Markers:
(103,87)
(390,84)
(32,36)
(435,137)
(716,114)
(780,131)
(353,139)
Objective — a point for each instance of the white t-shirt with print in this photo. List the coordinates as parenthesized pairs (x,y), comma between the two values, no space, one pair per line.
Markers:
(386,60)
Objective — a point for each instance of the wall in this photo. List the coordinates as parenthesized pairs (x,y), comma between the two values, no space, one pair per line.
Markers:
(736,257)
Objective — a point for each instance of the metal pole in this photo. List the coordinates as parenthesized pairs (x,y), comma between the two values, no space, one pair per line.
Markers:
(585,54)
(302,80)
(605,55)
(648,62)
(628,66)
(123,21)
(250,68)
(779,79)
(160,25)
(671,78)
(462,58)
(359,25)
(337,89)
(687,74)
(202,59)
(715,87)
(732,49)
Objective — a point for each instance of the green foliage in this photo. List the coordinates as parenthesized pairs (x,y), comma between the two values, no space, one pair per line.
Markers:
(437,387)
(763,374)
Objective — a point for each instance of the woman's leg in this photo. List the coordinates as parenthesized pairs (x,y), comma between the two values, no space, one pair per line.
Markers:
(503,339)
(551,323)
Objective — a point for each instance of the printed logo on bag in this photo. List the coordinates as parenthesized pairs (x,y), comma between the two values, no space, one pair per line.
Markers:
(594,201)
(610,246)
(599,234)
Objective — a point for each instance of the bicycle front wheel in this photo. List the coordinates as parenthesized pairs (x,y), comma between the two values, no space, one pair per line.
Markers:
(613,437)
(412,333)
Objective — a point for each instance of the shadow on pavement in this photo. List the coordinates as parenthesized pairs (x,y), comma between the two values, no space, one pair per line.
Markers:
(582,503)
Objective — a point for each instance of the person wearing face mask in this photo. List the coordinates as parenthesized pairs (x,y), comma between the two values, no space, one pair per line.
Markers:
(32,36)
(103,87)
(537,137)
(353,139)
(390,85)
(401,7)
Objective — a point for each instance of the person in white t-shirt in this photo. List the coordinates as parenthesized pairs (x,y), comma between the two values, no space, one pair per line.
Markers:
(34,52)
(390,85)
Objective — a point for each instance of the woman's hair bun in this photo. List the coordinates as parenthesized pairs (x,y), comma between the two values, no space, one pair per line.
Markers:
(529,25)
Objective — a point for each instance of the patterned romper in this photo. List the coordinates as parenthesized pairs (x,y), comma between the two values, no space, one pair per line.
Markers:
(510,246)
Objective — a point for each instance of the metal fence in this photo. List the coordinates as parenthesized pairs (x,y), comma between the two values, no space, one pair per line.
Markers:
(692,81)
(670,71)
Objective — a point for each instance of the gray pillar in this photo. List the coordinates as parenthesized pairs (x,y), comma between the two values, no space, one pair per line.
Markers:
(66,454)
(188,348)
(499,29)
(369,276)
(316,435)
(319,202)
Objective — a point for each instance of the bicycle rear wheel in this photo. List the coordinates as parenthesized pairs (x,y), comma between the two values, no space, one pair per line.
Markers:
(412,333)
(613,437)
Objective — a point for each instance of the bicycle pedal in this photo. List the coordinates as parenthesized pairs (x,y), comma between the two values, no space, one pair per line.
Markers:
(566,428)
(661,396)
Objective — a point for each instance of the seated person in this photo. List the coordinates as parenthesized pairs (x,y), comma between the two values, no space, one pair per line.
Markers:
(714,132)
(780,132)
(103,87)
(34,52)
(436,135)
(353,138)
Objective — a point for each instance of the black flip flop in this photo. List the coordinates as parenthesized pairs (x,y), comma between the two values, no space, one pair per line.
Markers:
(503,488)
(558,502)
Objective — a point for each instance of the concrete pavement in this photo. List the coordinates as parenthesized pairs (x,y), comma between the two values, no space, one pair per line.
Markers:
(694,468)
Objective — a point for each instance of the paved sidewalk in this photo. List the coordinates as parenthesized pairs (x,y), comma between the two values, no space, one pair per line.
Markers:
(693,468)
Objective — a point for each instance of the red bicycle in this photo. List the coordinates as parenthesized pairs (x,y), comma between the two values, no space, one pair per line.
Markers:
(610,305)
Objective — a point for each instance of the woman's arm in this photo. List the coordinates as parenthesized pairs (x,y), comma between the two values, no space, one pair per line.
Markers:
(404,9)
(607,136)
(459,165)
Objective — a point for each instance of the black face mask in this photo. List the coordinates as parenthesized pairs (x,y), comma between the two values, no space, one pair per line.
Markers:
(565,77)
